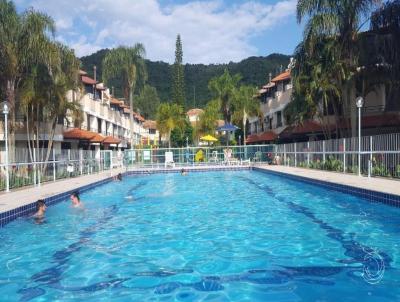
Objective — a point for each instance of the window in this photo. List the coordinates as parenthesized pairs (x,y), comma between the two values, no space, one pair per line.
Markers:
(152,131)
(279,119)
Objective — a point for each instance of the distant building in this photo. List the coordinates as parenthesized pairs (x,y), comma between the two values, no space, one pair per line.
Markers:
(194,115)
(152,136)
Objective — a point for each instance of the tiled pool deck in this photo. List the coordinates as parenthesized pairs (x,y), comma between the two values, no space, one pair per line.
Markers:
(22,202)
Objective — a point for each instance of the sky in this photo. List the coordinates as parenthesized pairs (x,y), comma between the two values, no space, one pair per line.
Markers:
(212,31)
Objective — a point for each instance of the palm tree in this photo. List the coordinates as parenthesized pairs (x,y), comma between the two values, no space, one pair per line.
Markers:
(128,64)
(208,119)
(224,88)
(169,116)
(315,87)
(24,43)
(245,105)
(341,21)
(44,97)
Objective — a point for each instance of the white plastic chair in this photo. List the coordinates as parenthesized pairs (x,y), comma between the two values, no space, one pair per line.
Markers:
(169,159)
(214,157)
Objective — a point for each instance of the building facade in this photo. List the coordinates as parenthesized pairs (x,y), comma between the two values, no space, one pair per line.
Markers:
(104,124)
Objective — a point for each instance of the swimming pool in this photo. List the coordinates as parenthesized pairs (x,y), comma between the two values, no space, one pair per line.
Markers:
(213,236)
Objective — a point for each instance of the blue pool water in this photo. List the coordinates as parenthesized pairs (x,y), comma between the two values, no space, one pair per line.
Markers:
(215,236)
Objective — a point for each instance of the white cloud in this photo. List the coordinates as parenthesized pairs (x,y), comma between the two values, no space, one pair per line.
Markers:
(211,31)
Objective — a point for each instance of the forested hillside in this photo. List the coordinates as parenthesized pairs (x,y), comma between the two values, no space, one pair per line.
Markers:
(254,71)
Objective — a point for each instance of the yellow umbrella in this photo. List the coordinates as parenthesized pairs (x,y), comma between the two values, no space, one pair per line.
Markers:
(208,138)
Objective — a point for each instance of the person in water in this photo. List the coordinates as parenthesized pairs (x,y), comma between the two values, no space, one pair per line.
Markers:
(118,177)
(76,201)
(183,172)
(40,209)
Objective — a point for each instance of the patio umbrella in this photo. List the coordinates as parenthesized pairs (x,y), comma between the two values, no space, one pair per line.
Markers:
(228,128)
(208,138)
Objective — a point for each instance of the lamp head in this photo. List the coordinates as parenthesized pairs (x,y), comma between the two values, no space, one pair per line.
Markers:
(5,108)
(359,102)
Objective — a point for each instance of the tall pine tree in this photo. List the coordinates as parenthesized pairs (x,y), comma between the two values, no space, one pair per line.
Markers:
(178,88)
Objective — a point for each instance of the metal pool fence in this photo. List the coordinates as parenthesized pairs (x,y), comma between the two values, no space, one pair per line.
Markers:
(198,156)
(378,156)
(67,163)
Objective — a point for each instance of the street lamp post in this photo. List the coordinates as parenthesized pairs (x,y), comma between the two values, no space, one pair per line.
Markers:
(359,104)
(5,112)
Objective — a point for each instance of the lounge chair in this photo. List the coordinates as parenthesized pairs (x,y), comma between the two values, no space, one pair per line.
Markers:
(169,159)
(229,159)
(257,156)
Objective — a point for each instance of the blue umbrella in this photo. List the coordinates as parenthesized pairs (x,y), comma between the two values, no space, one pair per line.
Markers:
(228,127)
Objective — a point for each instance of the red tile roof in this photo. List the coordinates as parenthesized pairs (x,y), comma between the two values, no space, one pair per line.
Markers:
(97,138)
(149,124)
(76,133)
(194,111)
(281,77)
(111,140)
(88,80)
(139,117)
(115,101)
(263,137)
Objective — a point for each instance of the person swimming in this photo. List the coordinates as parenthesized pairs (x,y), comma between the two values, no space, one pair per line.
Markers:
(183,172)
(76,201)
(40,211)
(118,177)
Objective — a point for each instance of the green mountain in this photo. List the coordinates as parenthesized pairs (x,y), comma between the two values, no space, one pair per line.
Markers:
(254,71)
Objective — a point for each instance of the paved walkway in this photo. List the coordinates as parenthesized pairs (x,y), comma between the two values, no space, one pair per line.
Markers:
(374,184)
(23,196)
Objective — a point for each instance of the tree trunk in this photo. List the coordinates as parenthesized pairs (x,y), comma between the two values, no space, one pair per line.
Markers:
(244,127)
(353,109)
(50,143)
(131,115)
(10,96)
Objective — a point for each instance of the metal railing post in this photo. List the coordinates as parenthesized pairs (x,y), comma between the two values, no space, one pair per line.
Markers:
(295,154)
(344,155)
(6,155)
(370,156)
(284,154)
(323,151)
(54,166)
(34,166)
(38,174)
(69,158)
(80,161)
(308,154)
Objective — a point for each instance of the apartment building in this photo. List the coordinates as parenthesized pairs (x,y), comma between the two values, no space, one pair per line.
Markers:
(377,115)
(105,124)
(274,97)
(106,120)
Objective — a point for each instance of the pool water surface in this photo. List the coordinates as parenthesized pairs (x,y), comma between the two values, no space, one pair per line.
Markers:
(207,236)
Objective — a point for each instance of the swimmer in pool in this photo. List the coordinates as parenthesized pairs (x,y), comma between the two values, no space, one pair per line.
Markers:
(40,211)
(76,201)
